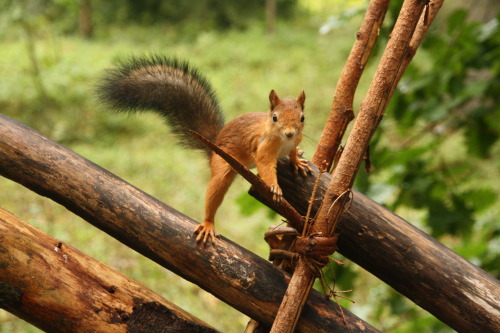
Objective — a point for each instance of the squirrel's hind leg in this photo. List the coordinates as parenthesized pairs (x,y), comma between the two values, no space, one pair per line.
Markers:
(221,178)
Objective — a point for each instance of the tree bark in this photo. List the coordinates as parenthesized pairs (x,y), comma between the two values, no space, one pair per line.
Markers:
(418,37)
(236,276)
(437,279)
(86,28)
(59,289)
(341,112)
(270,16)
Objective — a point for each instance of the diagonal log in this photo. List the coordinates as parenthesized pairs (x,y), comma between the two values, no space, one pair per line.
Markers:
(238,277)
(59,289)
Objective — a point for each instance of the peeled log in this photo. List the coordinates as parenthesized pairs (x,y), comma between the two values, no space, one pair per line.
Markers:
(59,289)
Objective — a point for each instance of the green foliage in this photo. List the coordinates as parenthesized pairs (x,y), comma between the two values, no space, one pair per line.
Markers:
(403,310)
(220,14)
(446,117)
(249,206)
(38,14)
(190,16)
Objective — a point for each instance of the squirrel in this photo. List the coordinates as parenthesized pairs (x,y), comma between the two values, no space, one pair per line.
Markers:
(186,100)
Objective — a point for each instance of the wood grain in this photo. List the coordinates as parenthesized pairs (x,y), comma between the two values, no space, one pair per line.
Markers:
(59,289)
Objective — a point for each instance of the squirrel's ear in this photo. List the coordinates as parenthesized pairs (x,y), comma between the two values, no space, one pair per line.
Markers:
(301,99)
(274,99)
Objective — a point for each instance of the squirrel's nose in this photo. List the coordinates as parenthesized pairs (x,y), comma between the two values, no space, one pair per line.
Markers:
(289,134)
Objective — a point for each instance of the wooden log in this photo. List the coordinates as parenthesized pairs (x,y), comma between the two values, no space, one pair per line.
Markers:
(233,274)
(59,289)
(418,266)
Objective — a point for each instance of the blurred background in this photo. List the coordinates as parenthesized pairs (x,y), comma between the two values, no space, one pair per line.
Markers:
(434,158)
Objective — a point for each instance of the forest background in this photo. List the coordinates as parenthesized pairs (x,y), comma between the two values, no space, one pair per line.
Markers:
(434,159)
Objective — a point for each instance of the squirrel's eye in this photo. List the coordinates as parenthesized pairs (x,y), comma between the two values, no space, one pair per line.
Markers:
(275,118)
(302,119)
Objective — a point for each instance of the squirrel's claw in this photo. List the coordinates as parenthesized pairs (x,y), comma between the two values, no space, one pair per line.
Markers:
(301,166)
(276,191)
(205,231)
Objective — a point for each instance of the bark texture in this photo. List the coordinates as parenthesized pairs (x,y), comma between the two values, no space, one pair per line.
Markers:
(59,289)
(341,112)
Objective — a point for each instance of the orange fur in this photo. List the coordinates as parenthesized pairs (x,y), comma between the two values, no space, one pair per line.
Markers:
(255,140)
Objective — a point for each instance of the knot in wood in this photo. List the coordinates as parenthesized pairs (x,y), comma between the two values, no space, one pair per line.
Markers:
(316,246)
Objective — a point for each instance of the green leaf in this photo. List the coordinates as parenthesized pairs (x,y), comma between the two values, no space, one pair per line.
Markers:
(456,20)
(480,137)
(248,204)
(451,217)
(481,199)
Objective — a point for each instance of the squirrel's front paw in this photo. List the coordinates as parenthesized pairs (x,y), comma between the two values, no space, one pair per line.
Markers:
(276,191)
(301,166)
(205,231)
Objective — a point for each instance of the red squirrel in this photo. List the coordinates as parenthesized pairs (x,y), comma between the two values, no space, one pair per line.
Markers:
(187,101)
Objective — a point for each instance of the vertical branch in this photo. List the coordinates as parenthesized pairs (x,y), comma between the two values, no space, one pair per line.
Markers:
(85,26)
(377,97)
(270,16)
(418,36)
(425,20)
(335,197)
(33,59)
(341,112)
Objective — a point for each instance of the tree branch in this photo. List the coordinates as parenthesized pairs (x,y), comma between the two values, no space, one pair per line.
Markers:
(418,36)
(341,112)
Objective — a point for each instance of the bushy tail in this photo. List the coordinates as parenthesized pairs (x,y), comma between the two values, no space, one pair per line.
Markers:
(169,87)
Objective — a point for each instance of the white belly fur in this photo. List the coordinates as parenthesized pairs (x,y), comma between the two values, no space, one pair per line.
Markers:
(286,147)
